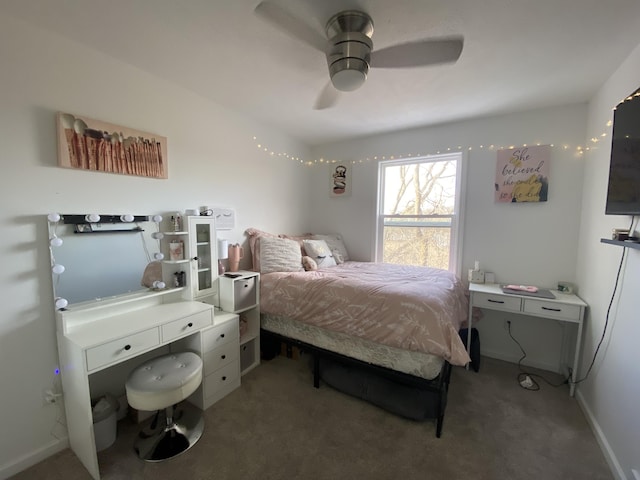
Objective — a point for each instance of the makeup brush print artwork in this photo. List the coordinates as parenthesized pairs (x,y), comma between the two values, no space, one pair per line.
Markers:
(340,181)
(89,144)
(522,174)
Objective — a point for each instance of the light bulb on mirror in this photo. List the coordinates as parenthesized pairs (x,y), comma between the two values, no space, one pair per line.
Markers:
(61,303)
(158,256)
(157,235)
(128,218)
(55,241)
(53,217)
(57,269)
(92,218)
(157,218)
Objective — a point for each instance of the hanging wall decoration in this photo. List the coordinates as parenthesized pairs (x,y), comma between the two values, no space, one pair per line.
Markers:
(340,180)
(89,144)
(522,174)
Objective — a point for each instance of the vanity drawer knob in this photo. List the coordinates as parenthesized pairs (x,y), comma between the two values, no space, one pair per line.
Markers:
(127,347)
(224,378)
(190,324)
(222,335)
(223,357)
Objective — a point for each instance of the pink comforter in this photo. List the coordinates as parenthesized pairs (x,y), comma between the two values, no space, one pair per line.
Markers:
(412,308)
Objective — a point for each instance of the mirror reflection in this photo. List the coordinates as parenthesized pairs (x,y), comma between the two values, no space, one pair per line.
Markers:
(102,259)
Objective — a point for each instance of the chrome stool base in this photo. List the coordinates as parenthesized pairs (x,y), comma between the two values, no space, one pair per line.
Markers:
(176,435)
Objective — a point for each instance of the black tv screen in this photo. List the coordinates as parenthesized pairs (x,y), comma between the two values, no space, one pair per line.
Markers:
(623,193)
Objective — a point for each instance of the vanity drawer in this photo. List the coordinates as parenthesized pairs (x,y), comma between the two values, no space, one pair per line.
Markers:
(221,334)
(222,379)
(122,348)
(552,309)
(220,356)
(497,302)
(186,325)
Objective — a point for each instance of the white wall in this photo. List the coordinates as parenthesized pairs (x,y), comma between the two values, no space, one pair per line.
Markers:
(520,243)
(212,157)
(611,394)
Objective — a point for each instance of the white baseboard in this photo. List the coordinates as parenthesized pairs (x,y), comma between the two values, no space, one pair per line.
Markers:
(514,359)
(609,455)
(30,459)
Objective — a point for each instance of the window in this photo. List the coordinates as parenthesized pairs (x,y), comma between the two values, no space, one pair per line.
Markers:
(419,211)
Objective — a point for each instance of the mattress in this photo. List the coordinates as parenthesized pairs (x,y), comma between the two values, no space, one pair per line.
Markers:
(423,365)
(374,308)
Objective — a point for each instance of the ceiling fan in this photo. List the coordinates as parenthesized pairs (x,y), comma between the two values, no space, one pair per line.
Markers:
(349,49)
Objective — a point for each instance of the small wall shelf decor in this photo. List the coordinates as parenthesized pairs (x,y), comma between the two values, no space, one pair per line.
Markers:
(89,144)
(622,243)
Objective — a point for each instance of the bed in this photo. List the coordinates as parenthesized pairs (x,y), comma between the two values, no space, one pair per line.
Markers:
(385,333)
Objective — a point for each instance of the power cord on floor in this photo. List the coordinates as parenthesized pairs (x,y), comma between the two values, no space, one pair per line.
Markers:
(527,379)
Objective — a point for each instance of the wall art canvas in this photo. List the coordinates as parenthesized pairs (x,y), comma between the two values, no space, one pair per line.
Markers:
(340,180)
(89,144)
(522,174)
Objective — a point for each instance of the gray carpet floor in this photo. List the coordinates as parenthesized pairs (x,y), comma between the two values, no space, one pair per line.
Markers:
(277,426)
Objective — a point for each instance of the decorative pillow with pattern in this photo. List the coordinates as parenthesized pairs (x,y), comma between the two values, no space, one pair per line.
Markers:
(335,243)
(320,252)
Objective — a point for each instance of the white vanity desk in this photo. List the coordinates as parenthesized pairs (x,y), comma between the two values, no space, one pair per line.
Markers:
(96,335)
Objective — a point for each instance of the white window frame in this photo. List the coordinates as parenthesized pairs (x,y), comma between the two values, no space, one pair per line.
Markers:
(457,221)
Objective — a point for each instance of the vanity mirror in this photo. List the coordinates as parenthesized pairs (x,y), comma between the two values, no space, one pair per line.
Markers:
(94,257)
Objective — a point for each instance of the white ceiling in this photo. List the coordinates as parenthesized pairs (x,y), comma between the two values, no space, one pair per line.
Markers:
(518,55)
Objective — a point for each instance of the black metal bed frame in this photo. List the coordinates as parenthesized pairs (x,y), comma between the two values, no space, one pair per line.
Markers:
(270,344)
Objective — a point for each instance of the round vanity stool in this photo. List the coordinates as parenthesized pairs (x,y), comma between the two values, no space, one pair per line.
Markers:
(157,385)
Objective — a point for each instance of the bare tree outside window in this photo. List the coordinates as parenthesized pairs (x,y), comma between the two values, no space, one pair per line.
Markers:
(418,211)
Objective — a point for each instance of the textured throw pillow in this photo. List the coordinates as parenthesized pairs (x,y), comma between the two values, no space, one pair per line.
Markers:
(320,252)
(279,255)
(254,244)
(299,239)
(336,245)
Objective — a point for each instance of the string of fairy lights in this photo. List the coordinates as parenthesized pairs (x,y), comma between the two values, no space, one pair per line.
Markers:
(578,149)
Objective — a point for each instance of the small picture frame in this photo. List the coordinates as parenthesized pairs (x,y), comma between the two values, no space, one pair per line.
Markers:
(84,228)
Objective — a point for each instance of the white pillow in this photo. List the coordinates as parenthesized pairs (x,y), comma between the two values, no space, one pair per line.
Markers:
(320,252)
(336,245)
(280,255)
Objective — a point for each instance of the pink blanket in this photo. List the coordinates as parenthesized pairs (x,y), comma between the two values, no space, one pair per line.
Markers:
(414,308)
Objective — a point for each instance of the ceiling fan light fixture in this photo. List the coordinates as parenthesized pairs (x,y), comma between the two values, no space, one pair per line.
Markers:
(348,74)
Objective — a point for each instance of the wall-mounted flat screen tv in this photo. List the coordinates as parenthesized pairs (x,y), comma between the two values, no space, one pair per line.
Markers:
(623,193)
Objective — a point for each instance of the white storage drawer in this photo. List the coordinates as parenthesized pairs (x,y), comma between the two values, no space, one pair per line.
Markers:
(186,325)
(220,356)
(220,334)
(552,309)
(118,350)
(497,302)
(222,378)
(245,293)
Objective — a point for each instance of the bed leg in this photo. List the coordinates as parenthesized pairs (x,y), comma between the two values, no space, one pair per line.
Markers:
(316,370)
(439,422)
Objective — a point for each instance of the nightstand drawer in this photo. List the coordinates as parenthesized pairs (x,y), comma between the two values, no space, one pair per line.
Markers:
(220,356)
(552,309)
(186,325)
(497,302)
(220,334)
(122,348)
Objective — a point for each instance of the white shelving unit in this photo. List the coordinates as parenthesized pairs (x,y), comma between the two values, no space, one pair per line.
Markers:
(241,295)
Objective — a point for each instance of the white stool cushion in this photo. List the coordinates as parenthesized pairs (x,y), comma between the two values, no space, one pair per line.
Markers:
(164,381)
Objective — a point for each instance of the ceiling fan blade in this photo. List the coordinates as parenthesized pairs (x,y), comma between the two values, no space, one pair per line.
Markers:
(328,97)
(292,26)
(418,54)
